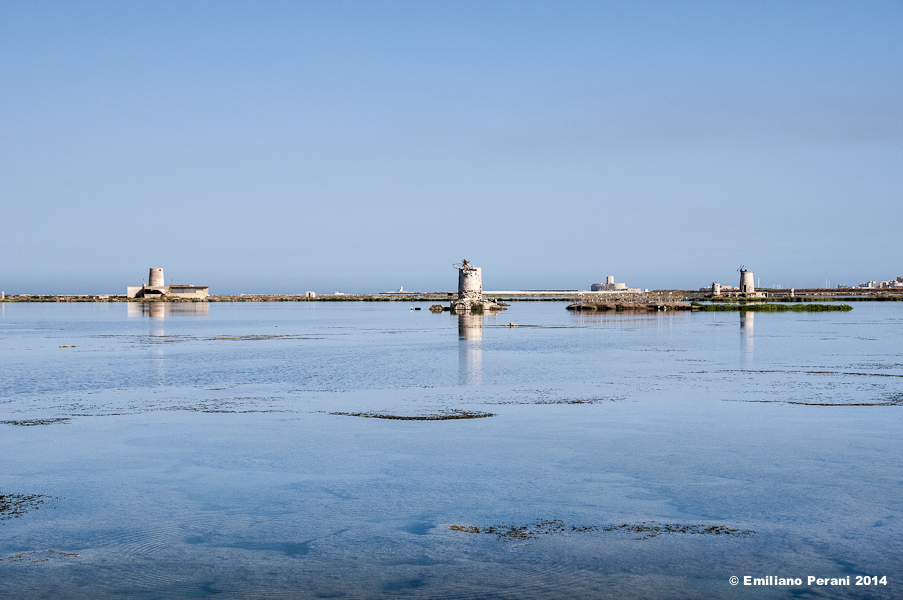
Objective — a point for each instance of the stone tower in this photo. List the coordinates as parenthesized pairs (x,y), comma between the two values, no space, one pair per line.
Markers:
(470,282)
(747,282)
(155,278)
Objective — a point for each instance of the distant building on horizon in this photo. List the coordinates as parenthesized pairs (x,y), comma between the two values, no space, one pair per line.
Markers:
(716,288)
(156,288)
(611,286)
(400,292)
(890,283)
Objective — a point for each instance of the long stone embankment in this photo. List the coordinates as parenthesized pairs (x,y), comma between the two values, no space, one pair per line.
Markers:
(638,307)
(645,302)
(641,307)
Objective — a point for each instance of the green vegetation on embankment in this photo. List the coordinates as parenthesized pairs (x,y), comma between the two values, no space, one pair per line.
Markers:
(757,307)
(798,298)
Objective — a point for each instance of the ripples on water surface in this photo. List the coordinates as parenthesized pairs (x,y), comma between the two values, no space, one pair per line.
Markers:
(187,451)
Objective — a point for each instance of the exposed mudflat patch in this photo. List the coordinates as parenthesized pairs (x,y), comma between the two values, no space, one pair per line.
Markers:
(891,399)
(444,416)
(525,532)
(34,422)
(563,401)
(37,556)
(650,529)
(109,405)
(235,405)
(800,371)
(645,530)
(512,325)
(898,402)
(13,506)
(257,338)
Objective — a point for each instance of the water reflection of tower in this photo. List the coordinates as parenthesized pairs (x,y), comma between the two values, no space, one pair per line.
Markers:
(747,320)
(157,312)
(470,351)
(156,356)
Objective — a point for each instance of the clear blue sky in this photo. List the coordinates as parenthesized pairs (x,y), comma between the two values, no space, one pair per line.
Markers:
(360,146)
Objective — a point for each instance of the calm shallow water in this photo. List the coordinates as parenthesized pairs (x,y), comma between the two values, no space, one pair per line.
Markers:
(200,457)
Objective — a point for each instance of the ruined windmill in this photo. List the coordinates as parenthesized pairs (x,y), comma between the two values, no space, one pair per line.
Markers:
(470,290)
